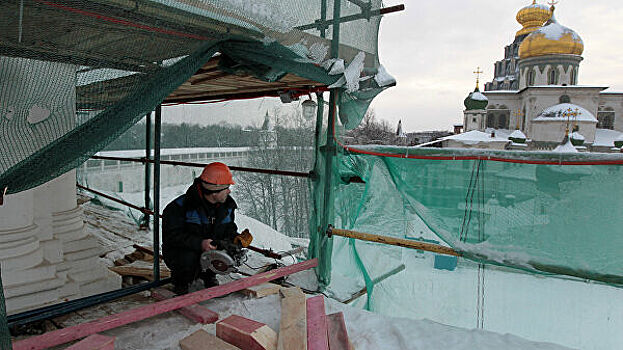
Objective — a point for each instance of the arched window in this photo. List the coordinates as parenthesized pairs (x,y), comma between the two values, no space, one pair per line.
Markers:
(552,77)
(531,77)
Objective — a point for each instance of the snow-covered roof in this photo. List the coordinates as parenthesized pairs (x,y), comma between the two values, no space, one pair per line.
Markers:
(555,31)
(560,111)
(606,137)
(517,134)
(478,96)
(566,148)
(577,136)
(475,136)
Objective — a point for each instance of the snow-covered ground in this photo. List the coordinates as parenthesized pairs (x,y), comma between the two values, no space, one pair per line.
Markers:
(367,330)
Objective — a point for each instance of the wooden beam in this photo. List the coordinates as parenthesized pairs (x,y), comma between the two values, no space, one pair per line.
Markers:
(293,324)
(262,290)
(196,312)
(317,328)
(65,335)
(406,243)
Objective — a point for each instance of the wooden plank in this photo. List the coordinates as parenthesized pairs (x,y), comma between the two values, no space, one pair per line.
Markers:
(201,340)
(246,334)
(195,312)
(139,271)
(262,290)
(338,335)
(317,328)
(293,325)
(65,335)
(94,342)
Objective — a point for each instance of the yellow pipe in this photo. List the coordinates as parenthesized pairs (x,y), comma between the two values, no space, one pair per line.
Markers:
(435,248)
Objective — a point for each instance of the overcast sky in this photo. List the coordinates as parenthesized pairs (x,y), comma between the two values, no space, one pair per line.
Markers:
(432,48)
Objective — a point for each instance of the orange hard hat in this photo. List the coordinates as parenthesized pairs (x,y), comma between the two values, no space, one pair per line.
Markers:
(217,174)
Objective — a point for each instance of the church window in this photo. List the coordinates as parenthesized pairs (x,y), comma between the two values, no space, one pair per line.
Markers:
(564,99)
(552,77)
(530,78)
(605,118)
(474,120)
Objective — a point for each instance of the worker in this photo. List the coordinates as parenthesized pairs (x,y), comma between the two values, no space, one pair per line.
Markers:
(193,222)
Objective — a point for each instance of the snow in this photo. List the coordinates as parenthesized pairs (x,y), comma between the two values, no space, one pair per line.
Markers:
(476,95)
(383,78)
(555,31)
(352,74)
(517,134)
(606,137)
(566,148)
(577,136)
(475,136)
(366,330)
(559,111)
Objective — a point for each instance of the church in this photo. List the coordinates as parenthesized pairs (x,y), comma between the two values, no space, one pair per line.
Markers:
(535,102)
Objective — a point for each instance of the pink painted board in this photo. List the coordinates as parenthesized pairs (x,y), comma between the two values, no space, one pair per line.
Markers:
(195,312)
(317,328)
(65,335)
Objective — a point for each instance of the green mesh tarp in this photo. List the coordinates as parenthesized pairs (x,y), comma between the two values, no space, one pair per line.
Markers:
(76,75)
(541,212)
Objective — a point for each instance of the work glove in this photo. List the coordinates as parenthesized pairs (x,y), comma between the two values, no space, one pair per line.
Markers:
(244,238)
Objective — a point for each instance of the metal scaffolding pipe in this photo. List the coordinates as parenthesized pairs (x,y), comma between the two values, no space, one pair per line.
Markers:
(201,165)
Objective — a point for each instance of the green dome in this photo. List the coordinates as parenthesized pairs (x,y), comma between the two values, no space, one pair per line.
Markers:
(475,100)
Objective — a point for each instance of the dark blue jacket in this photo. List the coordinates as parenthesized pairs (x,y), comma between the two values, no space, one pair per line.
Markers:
(190,219)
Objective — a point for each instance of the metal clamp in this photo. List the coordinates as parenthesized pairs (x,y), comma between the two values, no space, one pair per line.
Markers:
(329,231)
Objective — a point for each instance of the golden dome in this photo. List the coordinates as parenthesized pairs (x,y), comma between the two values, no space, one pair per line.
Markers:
(551,39)
(532,17)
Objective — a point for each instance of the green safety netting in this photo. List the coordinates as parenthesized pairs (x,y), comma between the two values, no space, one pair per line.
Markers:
(551,213)
(76,75)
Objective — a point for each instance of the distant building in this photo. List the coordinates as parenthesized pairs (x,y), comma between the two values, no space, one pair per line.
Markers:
(535,95)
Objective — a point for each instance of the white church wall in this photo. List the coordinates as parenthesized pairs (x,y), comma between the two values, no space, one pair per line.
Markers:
(473,120)
(554,131)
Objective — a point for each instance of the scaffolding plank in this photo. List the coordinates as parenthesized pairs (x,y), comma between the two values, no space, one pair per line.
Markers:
(65,335)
